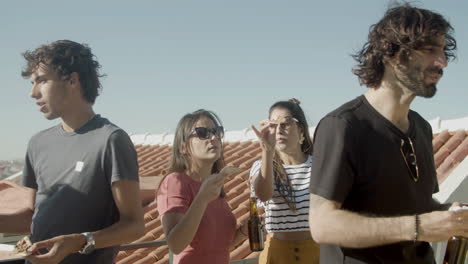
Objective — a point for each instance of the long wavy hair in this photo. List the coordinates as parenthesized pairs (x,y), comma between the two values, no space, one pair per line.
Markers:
(281,179)
(402,29)
(181,162)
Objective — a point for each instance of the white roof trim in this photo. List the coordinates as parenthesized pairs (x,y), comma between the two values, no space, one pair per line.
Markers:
(152,139)
(451,183)
(439,125)
(247,134)
(14,176)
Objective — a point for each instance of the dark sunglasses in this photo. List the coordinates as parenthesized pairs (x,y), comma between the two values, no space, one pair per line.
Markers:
(206,133)
(409,156)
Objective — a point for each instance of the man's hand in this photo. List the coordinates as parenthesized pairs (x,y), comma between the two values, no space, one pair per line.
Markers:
(22,246)
(442,225)
(58,248)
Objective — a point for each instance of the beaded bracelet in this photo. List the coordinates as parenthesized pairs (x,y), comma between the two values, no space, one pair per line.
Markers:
(417,223)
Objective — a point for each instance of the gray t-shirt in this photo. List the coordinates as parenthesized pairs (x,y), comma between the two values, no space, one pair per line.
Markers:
(73,174)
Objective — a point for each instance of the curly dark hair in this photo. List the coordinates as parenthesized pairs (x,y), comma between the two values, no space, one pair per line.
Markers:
(65,57)
(402,29)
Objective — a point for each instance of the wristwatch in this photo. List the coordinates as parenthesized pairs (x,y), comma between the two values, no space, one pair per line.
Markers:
(90,243)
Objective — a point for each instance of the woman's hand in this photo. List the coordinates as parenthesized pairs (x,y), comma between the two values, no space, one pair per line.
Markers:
(211,186)
(266,135)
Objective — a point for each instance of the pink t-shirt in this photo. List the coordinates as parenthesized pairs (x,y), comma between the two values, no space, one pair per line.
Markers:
(217,227)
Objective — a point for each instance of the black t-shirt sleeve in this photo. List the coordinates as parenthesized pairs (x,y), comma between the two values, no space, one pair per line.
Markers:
(29,177)
(121,158)
(332,175)
(431,156)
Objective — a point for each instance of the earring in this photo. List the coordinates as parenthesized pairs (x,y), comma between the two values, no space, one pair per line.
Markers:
(301,139)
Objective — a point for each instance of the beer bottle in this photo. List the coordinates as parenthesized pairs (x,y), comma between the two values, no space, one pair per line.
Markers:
(457,247)
(255,227)
(456,251)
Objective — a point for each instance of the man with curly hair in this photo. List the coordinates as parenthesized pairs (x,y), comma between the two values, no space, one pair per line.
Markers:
(374,174)
(83,171)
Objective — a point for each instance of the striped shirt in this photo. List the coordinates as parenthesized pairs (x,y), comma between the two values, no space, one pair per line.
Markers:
(278,216)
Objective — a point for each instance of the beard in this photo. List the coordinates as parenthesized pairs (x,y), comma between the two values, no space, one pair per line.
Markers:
(412,77)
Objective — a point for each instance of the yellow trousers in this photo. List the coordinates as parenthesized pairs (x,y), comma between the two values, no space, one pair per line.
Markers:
(290,252)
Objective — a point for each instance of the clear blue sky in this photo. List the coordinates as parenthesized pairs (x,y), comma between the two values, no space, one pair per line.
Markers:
(166,58)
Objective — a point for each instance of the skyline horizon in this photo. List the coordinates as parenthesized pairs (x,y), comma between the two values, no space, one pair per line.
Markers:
(163,60)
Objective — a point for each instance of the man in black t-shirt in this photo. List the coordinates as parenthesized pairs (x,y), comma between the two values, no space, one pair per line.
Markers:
(373,175)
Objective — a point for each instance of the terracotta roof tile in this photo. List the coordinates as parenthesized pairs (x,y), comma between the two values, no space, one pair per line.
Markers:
(247,150)
(232,183)
(230,148)
(248,163)
(13,197)
(241,252)
(165,260)
(239,146)
(151,212)
(241,160)
(245,175)
(147,187)
(241,198)
(152,225)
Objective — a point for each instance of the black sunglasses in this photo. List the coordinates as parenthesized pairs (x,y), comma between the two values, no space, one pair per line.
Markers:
(206,133)
(409,156)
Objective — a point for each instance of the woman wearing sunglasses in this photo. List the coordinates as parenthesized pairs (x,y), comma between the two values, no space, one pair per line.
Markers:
(197,221)
(281,181)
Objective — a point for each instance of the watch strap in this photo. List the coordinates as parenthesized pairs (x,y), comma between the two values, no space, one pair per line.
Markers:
(90,243)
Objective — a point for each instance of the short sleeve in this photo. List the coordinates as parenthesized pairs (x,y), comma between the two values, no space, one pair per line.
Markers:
(332,176)
(29,177)
(431,156)
(254,170)
(121,158)
(173,195)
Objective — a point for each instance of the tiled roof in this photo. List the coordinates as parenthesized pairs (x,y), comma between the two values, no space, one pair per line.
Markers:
(10,197)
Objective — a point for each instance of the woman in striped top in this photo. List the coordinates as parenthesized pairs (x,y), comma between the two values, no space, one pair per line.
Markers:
(281,181)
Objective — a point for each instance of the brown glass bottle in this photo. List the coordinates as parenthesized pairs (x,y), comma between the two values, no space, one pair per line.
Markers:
(456,251)
(255,227)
